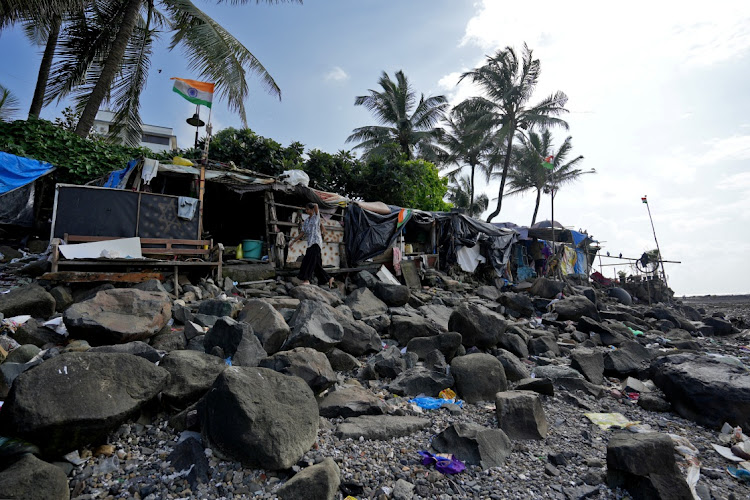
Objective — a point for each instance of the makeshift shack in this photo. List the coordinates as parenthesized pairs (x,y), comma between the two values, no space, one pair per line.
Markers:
(20,181)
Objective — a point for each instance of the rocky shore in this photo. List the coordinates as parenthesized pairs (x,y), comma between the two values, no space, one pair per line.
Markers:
(279,390)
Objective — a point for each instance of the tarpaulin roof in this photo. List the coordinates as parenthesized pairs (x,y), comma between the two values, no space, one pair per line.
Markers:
(16,171)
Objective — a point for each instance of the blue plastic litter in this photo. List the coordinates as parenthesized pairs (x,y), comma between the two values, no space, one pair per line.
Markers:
(228,361)
(429,403)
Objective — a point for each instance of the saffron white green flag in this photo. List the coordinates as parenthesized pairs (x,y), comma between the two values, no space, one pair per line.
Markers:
(201,93)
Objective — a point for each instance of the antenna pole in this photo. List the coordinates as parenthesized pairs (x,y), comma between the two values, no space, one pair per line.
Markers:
(661,261)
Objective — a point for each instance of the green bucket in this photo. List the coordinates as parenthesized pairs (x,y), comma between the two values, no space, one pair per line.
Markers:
(251,249)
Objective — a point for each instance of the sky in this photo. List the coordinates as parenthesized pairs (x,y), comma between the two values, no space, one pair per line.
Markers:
(657,91)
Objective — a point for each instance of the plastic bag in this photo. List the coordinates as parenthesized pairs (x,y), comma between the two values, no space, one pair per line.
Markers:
(295,177)
(428,403)
(444,463)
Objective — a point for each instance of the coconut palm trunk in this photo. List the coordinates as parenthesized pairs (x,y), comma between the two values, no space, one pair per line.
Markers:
(506,164)
(111,66)
(536,207)
(37,102)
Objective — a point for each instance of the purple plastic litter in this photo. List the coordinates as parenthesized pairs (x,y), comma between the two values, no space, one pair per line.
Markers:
(442,464)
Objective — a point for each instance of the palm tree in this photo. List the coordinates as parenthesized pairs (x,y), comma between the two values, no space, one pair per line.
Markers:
(467,142)
(528,173)
(8,105)
(509,85)
(460,195)
(405,121)
(100,64)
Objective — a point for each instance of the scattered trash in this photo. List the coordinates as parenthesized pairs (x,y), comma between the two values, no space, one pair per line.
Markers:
(741,474)
(10,325)
(447,394)
(444,462)
(727,453)
(605,421)
(429,403)
(635,332)
(57,325)
(228,361)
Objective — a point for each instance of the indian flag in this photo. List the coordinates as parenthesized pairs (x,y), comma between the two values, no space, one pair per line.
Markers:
(547,163)
(201,93)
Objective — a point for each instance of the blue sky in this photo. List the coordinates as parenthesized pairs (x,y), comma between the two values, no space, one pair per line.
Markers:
(658,103)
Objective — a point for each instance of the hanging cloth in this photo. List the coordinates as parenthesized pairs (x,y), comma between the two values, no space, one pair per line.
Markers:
(150,169)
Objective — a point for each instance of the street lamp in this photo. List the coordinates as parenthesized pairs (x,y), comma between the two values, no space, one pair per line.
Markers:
(196,122)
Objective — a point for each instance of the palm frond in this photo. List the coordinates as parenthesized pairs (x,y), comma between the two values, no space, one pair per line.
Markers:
(8,104)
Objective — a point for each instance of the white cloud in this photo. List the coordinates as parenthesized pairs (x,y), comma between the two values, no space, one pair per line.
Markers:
(736,181)
(336,74)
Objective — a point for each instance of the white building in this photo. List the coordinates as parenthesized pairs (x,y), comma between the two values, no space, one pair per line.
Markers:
(153,137)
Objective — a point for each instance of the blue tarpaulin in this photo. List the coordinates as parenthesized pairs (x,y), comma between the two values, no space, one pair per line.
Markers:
(581,266)
(118,178)
(16,171)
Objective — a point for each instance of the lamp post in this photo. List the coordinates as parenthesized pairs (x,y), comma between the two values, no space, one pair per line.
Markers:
(196,122)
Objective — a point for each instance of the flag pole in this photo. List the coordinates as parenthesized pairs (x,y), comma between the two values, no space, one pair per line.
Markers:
(661,260)
(204,163)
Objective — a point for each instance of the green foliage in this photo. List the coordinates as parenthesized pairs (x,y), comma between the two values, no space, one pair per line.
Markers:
(337,173)
(77,160)
(249,150)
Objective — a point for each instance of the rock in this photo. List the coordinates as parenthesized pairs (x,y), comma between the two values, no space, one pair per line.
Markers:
(380,427)
(447,343)
(342,361)
(151,286)
(420,380)
(32,332)
(316,294)
(388,363)
(589,362)
(546,288)
(364,303)
(267,323)
(477,325)
(181,313)
(438,314)
(380,323)
(555,372)
(652,402)
(118,316)
(474,444)
(365,278)
(478,377)
(628,359)
(63,297)
(190,455)
(622,296)
(518,302)
(405,328)
(314,325)
(227,334)
(30,299)
(45,404)
(8,253)
(704,390)
(487,292)
(259,417)
(644,464)
(634,385)
(217,307)
(359,337)
(515,344)
(23,354)
(136,348)
(32,479)
(191,375)
(542,386)
(9,372)
(520,415)
(720,325)
(543,344)
(308,364)
(250,352)
(319,481)
(193,330)
(403,490)
(392,295)
(514,368)
(350,402)
(169,340)
(573,308)
(607,334)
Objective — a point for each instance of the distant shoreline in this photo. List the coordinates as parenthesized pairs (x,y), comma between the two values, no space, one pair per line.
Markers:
(715,298)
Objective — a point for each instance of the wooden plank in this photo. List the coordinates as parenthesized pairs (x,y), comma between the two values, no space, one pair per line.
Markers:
(174,251)
(83,276)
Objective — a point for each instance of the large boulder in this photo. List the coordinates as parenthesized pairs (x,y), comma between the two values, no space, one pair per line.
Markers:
(359,337)
(447,343)
(32,479)
(478,326)
(520,414)
(118,315)
(320,481)
(30,299)
(573,308)
(268,324)
(392,295)
(217,307)
(589,362)
(704,389)
(546,288)
(308,364)
(259,417)
(388,363)
(191,375)
(514,343)
(514,368)
(440,314)
(315,293)
(76,399)
(518,302)
(350,402)
(364,303)
(31,332)
(488,292)
(629,359)
(474,444)
(644,465)
(420,380)
(720,325)
(231,339)
(405,328)
(136,348)
(314,325)
(478,377)
(380,426)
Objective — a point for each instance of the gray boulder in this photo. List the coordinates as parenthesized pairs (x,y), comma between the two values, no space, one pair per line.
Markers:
(644,465)
(514,368)
(546,288)
(438,313)
(30,299)
(31,332)
(32,479)
(259,417)
(136,348)
(191,375)
(364,303)
(45,404)
(589,362)
(217,307)
(520,415)
(478,377)
(518,302)
(267,323)
(359,337)
(63,297)
(250,352)
(704,390)
(543,344)
(405,328)
(189,455)
(320,482)
(474,444)
(22,354)
(629,359)
(118,315)
(315,293)
(169,340)
(477,325)
(720,325)
(392,295)
(447,343)
(515,344)
(350,402)
(388,363)
(487,292)
(380,427)
(308,364)
(365,278)
(226,334)
(420,380)
(342,361)
(620,295)
(573,308)
(314,325)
